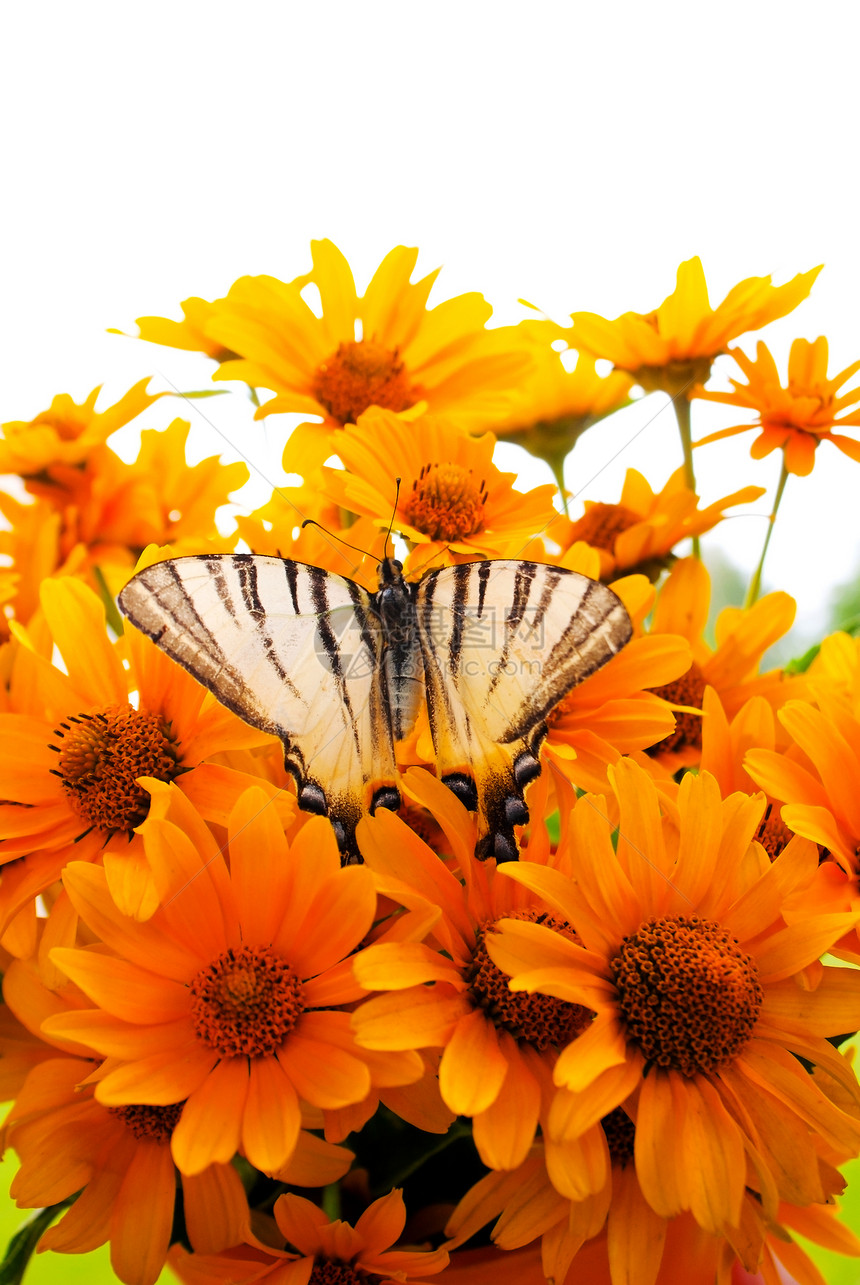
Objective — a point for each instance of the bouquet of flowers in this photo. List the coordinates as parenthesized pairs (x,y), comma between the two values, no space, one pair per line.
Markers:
(599,1040)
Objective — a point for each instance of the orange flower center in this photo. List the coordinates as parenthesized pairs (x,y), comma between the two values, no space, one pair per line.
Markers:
(445,503)
(362,374)
(773,834)
(601,523)
(620,1136)
(539,1020)
(689,689)
(152,1122)
(101,757)
(689,996)
(246,1003)
(326,1272)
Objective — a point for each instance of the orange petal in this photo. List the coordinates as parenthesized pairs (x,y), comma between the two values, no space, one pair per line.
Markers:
(473,1067)
(324,1072)
(271,1119)
(216,1209)
(209,1128)
(142,1216)
(122,988)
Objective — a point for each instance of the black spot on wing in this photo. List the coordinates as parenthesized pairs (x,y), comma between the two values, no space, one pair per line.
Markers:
(484,570)
(249,588)
(319,596)
(291,571)
(523,579)
(462,575)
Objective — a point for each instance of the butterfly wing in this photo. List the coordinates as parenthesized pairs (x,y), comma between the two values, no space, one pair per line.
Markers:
(502,643)
(291,649)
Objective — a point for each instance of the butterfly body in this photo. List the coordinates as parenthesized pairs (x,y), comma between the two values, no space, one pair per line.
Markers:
(340,674)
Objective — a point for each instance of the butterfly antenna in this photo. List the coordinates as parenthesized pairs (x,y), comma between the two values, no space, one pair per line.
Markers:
(313,522)
(393,515)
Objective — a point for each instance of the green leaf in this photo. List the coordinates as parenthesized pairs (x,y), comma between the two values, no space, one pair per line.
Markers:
(204,392)
(23,1243)
(800,664)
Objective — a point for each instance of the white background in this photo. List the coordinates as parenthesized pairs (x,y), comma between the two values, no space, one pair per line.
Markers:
(569,153)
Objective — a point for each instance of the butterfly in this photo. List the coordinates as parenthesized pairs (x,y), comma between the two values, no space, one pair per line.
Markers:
(340,674)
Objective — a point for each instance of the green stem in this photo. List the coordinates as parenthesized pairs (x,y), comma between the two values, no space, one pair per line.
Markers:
(331,1201)
(114,619)
(755,583)
(682,414)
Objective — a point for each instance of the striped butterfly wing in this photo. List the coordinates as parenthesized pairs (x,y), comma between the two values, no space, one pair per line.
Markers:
(502,643)
(291,649)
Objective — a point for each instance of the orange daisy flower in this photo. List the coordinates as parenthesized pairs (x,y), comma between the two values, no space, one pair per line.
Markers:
(224,999)
(695,982)
(446,993)
(66,432)
(454,505)
(662,1251)
(817,779)
(112,507)
(118,1158)
(327,1251)
(743,635)
(73,746)
(795,418)
(642,529)
(668,348)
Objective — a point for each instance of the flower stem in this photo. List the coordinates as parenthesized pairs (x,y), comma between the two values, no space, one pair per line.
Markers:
(755,583)
(682,413)
(556,463)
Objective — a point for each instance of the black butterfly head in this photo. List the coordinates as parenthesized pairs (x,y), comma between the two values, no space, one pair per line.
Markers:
(390,572)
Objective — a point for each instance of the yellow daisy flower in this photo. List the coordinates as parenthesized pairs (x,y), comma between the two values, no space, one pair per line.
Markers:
(384,348)
(797,417)
(674,345)
(697,988)
(641,530)
(555,403)
(453,505)
(189,333)
(66,432)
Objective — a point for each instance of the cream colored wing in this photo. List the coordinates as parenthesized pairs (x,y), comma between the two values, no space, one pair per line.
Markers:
(502,643)
(291,649)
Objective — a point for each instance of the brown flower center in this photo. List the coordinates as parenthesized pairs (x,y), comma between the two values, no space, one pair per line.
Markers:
(101,757)
(326,1272)
(689,689)
(246,1002)
(772,833)
(153,1122)
(362,374)
(620,1135)
(540,1020)
(601,523)
(446,503)
(689,996)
